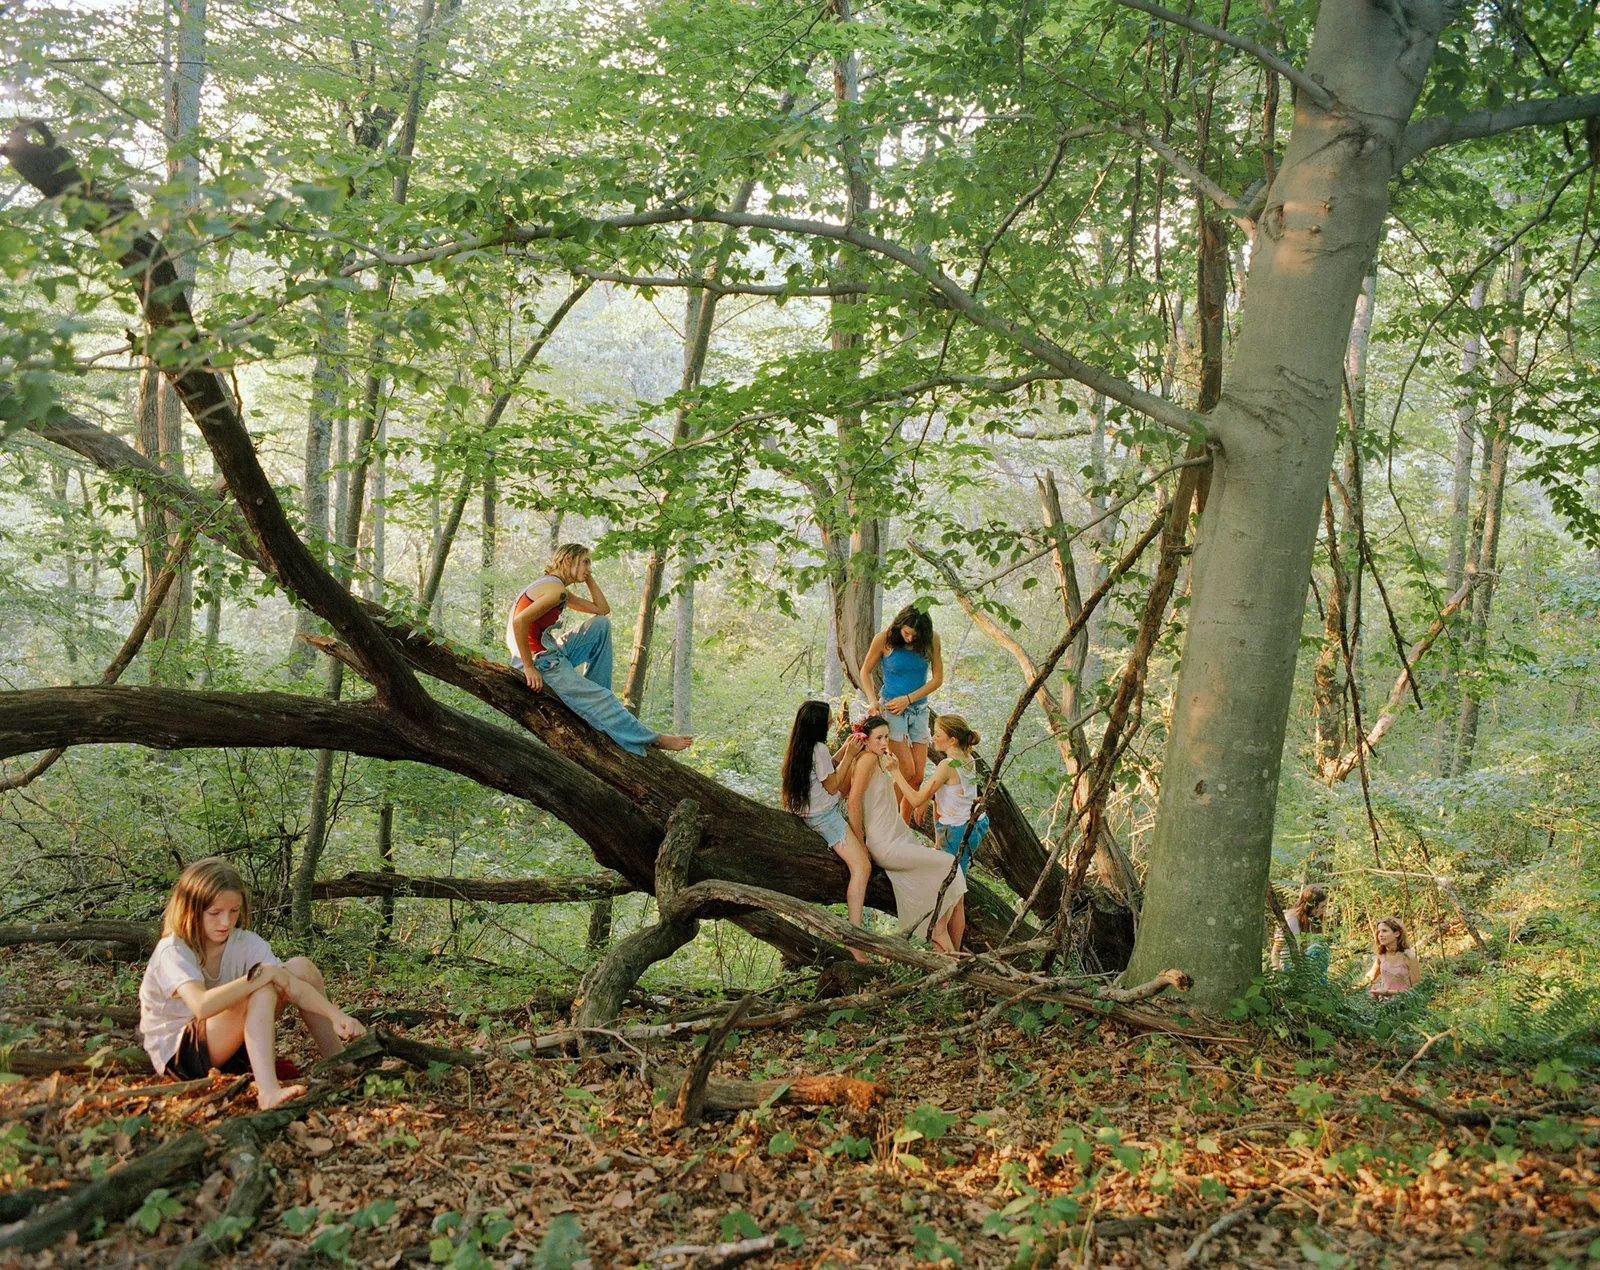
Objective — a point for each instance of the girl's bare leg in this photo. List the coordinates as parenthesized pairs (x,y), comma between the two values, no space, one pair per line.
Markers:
(902,755)
(224,1033)
(940,936)
(261,1043)
(856,859)
(957,926)
(330,1026)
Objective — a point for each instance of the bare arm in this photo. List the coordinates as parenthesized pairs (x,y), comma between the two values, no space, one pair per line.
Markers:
(209,1002)
(869,663)
(842,761)
(596,603)
(544,597)
(1372,974)
(858,792)
(1415,963)
(930,787)
(935,676)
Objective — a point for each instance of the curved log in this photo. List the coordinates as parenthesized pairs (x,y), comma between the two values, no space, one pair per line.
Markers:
(538,890)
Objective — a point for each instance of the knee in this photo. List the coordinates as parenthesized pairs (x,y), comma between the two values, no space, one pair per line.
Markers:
(305,968)
(600,622)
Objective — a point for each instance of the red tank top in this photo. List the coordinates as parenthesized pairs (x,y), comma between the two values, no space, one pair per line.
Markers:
(543,622)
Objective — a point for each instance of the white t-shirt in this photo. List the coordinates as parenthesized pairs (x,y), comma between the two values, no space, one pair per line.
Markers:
(821,769)
(163,1014)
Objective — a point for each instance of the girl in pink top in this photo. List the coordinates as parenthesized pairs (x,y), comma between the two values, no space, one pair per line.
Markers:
(1395,969)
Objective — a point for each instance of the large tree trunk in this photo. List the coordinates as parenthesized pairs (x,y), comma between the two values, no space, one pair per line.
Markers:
(328,381)
(1275,430)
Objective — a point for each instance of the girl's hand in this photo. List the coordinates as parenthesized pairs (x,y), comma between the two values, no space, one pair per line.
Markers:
(888,763)
(534,678)
(346,1028)
(898,705)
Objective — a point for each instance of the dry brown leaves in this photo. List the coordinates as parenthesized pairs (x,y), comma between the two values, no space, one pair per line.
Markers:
(1065,1130)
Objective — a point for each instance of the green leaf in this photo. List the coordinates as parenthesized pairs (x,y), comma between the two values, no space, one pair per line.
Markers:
(739,1225)
(562,1245)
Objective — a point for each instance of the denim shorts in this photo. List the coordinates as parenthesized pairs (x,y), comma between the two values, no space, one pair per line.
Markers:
(831,824)
(948,837)
(911,725)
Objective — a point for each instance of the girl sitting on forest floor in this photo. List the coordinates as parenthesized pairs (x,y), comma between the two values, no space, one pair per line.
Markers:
(1395,968)
(812,782)
(213,989)
(953,787)
(1305,920)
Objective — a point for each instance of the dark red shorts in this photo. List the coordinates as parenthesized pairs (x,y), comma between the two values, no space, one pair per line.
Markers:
(193,1059)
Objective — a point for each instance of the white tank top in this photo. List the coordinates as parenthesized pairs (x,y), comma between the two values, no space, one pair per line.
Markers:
(955,801)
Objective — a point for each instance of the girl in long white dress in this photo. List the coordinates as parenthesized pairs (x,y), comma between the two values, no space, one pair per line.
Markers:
(917,872)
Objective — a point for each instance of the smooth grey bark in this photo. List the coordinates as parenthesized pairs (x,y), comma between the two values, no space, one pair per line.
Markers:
(832,668)
(1273,434)
(1491,495)
(683,646)
(699,315)
(377,563)
(487,625)
(328,385)
(1455,567)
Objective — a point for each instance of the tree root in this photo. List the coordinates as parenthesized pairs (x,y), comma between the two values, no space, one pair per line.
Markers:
(692,1093)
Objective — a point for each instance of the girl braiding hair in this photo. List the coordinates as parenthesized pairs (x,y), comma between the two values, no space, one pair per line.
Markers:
(812,781)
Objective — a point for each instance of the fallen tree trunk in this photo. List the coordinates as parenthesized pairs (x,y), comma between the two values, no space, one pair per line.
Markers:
(142,935)
(727,1094)
(536,890)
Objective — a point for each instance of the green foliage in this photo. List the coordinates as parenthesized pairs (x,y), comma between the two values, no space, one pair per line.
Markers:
(158,1206)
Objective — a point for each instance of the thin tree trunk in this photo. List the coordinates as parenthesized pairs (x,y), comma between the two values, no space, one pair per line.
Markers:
(487,625)
(699,313)
(683,646)
(59,478)
(1497,451)
(1455,568)
(386,865)
(377,565)
(328,384)
(1328,674)
(832,668)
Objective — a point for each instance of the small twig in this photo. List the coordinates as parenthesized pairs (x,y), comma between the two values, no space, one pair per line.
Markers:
(1225,1223)
(710,1256)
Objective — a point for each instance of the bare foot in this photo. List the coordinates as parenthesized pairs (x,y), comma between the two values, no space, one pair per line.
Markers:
(283,1094)
(346,1028)
(860,956)
(673,742)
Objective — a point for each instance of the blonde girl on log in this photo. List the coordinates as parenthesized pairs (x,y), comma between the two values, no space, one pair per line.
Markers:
(549,660)
(213,990)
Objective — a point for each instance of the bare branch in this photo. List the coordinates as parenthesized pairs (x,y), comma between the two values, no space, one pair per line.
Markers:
(1315,91)
(1440,130)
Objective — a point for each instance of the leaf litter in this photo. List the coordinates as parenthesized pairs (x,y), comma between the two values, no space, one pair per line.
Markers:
(1049,1139)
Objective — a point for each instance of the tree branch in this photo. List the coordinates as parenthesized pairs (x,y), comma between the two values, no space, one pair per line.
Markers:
(1315,91)
(1440,130)
(176,349)
(951,292)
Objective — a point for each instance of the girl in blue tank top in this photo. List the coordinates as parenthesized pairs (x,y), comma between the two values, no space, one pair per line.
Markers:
(907,655)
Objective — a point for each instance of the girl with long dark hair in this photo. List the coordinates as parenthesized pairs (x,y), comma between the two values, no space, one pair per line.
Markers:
(813,780)
(912,664)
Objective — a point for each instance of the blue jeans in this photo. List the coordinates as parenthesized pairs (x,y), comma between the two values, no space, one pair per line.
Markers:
(948,839)
(910,725)
(589,694)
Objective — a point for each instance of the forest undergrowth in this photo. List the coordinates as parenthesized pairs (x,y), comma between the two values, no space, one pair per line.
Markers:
(1044,1139)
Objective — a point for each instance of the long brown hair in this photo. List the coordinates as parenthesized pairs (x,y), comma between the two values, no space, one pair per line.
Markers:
(922,628)
(1310,897)
(1402,941)
(810,726)
(196,890)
